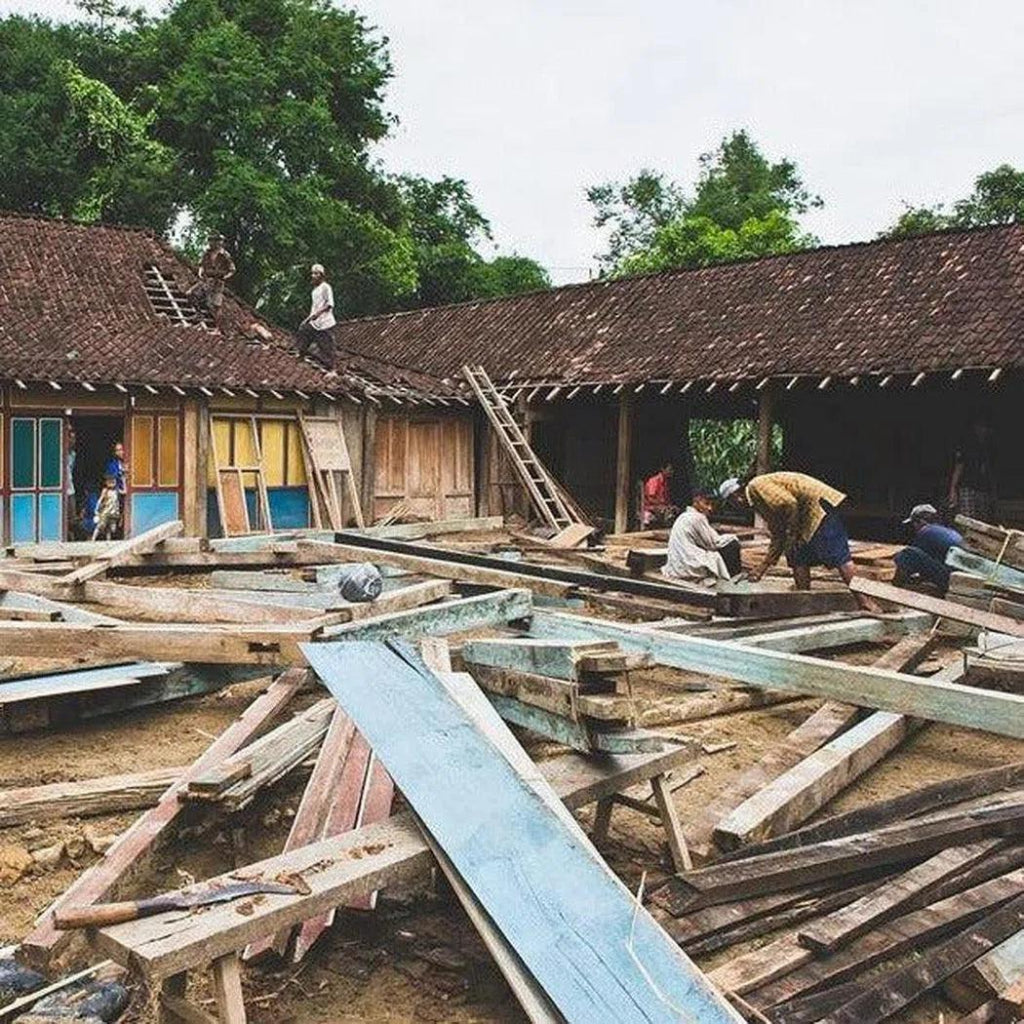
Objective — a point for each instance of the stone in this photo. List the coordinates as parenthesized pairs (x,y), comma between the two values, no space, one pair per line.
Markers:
(48,857)
(15,860)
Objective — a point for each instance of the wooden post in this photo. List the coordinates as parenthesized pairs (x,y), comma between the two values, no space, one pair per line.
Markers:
(624,464)
(368,481)
(203,447)
(482,463)
(190,472)
(765,415)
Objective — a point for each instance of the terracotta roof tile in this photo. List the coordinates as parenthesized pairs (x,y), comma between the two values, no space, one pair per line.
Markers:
(73,307)
(930,303)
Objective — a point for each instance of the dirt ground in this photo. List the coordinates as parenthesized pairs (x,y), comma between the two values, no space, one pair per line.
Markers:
(416,958)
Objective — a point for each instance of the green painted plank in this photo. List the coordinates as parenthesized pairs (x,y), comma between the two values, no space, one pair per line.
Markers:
(495,609)
(934,700)
(541,657)
(992,571)
(599,957)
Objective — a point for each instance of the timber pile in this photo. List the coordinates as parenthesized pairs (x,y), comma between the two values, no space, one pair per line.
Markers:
(840,901)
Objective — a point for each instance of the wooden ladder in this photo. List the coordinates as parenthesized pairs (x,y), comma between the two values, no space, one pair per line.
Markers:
(548,496)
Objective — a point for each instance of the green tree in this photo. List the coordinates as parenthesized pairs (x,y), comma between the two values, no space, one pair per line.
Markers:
(69,146)
(250,117)
(742,206)
(997,198)
(512,275)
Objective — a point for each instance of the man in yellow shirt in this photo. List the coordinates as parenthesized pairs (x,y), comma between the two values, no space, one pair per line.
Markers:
(803,523)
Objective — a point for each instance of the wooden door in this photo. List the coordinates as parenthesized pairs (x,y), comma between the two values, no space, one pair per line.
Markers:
(424,469)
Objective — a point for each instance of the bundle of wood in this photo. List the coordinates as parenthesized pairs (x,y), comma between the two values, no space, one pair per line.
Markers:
(989,569)
(938,872)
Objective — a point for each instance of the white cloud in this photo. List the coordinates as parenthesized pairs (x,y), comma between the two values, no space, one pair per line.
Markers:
(531,101)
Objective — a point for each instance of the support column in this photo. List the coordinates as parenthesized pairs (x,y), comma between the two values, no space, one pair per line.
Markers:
(624,464)
(482,462)
(368,481)
(765,417)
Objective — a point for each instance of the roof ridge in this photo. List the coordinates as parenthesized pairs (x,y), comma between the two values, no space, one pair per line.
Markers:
(68,222)
(673,272)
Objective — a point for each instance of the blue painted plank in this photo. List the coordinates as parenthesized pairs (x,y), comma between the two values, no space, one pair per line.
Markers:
(51,517)
(23,518)
(289,507)
(569,919)
(153,508)
(994,572)
(65,683)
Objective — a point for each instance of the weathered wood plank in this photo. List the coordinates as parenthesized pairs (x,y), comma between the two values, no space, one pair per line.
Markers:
(1000,713)
(986,568)
(937,606)
(841,928)
(582,960)
(123,551)
(133,847)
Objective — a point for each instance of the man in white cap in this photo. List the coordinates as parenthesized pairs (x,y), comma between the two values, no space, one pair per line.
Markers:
(803,522)
(317,330)
(925,558)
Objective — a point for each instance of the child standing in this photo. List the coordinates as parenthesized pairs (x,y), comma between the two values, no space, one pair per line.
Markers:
(108,510)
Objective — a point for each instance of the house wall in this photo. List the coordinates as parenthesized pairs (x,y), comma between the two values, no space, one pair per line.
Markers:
(425,462)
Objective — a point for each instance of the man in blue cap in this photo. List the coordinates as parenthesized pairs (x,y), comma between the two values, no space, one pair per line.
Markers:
(925,558)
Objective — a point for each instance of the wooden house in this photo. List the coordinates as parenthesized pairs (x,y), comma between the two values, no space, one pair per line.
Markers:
(98,344)
(874,358)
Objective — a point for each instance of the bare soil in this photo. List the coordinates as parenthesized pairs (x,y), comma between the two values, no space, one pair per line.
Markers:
(416,958)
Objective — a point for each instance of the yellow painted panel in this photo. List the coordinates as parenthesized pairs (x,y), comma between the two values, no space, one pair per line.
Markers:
(221,432)
(245,450)
(272,440)
(296,462)
(167,460)
(140,455)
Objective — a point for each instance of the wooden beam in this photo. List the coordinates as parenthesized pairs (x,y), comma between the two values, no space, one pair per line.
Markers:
(992,974)
(224,644)
(775,872)
(436,528)
(576,911)
(987,569)
(339,870)
(123,552)
(765,417)
(938,606)
(934,700)
(133,847)
(839,929)
(624,463)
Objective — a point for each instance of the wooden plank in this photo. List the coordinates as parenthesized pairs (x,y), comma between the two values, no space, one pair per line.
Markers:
(999,969)
(916,802)
(87,798)
(841,928)
(794,796)
(207,642)
(911,931)
(437,528)
(65,612)
(426,745)
(435,566)
(133,847)
(466,613)
(624,464)
(88,680)
(191,605)
(838,634)
(537,657)
(931,699)
(995,542)
(761,600)
(339,870)
(272,580)
(671,824)
(227,990)
(123,551)
(892,991)
(986,568)
(574,535)
(937,606)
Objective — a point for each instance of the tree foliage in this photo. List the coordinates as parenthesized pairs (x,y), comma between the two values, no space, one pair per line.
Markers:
(742,205)
(997,198)
(254,118)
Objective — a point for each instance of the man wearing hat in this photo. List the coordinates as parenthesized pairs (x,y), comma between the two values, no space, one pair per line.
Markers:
(317,330)
(215,268)
(803,522)
(925,558)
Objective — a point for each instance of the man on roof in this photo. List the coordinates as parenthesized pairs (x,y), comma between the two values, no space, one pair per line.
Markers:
(656,508)
(803,522)
(215,268)
(924,559)
(317,330)
(697,553)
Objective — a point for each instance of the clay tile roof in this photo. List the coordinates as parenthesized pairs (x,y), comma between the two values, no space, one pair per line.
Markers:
(73,307)
(934,302)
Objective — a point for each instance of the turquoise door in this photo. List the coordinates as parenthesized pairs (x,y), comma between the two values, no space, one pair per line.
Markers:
(37,479)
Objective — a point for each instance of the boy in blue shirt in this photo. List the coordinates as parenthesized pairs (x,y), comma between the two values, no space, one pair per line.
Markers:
(925,558)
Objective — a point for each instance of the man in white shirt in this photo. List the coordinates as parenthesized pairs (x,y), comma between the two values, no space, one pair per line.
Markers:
(697,553)
(317,330)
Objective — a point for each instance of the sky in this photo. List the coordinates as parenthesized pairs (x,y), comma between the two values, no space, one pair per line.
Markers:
(879,102)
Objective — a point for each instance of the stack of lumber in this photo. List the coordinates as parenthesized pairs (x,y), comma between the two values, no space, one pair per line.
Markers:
(938,872)
(576,694)
(988,572)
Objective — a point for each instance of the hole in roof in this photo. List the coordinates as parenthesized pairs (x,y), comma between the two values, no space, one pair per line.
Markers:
(169,301)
